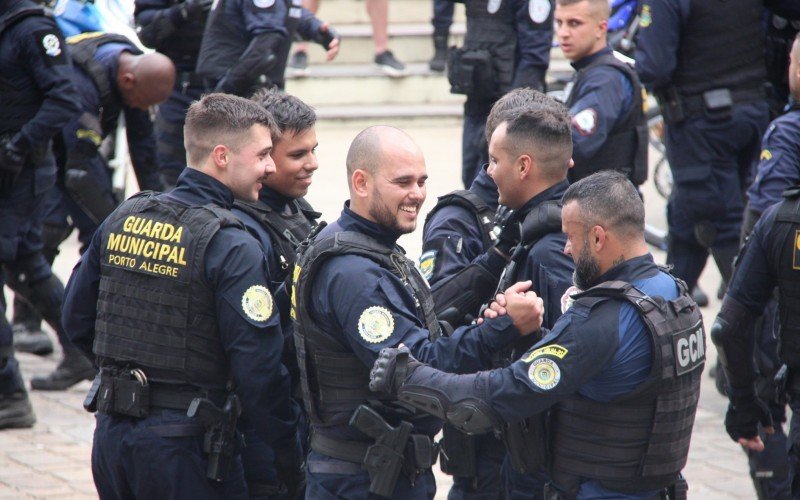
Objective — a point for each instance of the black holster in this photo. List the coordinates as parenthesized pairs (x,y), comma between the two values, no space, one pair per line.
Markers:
(669,100)
(471,72)
(221,441)
(88,195)
(458,452)
(526,442)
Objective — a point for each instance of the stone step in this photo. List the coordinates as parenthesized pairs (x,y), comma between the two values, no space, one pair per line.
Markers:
(400,11)
(410,43)
(367,85)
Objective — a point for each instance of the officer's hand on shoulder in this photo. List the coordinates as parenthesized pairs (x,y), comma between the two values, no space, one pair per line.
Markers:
(391,369)
(525,308)
(742,419)
(12,159)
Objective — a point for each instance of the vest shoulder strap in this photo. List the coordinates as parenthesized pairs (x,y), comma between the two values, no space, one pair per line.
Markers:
(484,214)
(83,47)
(9,19)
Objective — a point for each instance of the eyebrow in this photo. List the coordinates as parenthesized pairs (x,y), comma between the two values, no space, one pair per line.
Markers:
(407,178)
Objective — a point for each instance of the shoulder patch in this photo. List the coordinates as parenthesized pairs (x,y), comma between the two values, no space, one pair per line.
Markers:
(796,257)
(427,264)
(257,303)
(585,121)
(539,10)
(554,350)
(567,300)
(51,46)
(493,6)
(544,373)
(375,324)
(766,155)
(263,4)
(647,17)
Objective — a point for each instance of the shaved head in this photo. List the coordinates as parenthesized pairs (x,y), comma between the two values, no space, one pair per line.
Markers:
(145,80)
(600,9)
(369,148)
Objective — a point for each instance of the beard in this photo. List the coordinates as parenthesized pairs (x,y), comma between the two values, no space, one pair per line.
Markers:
(384,216)
(586,268)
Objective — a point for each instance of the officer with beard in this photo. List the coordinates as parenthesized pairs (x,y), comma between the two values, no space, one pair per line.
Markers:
(354,293)
(619,371)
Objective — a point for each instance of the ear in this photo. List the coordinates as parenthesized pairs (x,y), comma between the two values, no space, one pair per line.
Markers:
(603,26)
(126,80)
(525,166)
(571,163)
(598,238)
(360,180)
(221,155)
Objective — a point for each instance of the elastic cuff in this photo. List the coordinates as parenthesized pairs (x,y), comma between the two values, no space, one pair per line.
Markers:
(499,333)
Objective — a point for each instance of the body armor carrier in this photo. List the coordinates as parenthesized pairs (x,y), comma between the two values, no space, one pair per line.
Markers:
(625,149)
(333,379)
(484,214)
(646,433)
(786,255)
(484,66)
(286,231)
(155,309)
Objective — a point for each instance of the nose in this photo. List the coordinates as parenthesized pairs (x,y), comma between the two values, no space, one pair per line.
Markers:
(561,31)
(490,169)
(269,166)
(568,248)
(417,193)
(313,164)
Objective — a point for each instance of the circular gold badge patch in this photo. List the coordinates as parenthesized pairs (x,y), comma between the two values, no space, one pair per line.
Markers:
(257,303)
(544,373)
(375,324)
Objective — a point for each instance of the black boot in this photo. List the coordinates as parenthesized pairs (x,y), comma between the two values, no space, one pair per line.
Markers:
(439,52)
(72,369)
(16,411)
(699,297)
(27,328)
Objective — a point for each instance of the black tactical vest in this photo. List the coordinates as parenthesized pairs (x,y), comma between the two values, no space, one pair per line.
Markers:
(83,48)
(625,149)
(155,310)
(18,105)
(490,29)
(785,253)
(484,214)
(645,435)
(286,231)
(722,46)
(333,379)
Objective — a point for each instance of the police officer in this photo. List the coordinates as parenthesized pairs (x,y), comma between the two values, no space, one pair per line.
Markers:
(441,21)
(173,295)
(354,292)
(112,77)
(246,43)
(507,45)
(174,28)
(600,365)
(280,220)
(709,81)
(778,170)
(37,99)
(605,96)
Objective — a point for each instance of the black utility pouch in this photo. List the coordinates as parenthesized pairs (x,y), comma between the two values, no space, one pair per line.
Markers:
(470,72)
(131,394)
(718,104)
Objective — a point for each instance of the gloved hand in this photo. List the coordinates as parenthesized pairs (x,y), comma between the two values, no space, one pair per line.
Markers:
(509,237)
(12,159)
(743,416)
(391,369)
(195,8)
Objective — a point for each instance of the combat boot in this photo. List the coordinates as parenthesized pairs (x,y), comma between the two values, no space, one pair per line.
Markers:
(440,52)
(29,337)
(16,411)
(72,369)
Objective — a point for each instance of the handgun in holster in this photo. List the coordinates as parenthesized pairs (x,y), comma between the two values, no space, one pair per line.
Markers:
(669,100)
(384,459)
(220,440)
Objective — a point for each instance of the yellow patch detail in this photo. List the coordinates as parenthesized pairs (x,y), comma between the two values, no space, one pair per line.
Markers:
(257,303)
(554,350)
(765,155)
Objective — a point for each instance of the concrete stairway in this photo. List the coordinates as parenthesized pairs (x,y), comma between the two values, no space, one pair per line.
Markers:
(352,88)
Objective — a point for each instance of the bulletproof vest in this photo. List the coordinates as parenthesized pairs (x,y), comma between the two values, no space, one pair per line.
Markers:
(286,230)
(490,28)
(225,41)
(484,214)
(83,47)
(625,148)
(333,379)
(639,441)
(785,253)
(19,105)
(712,55)
(155,309)
(183,45)
(543,219)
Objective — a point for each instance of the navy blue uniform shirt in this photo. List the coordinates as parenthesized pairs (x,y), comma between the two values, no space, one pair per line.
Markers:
(605,353)
(604,96)
(779,164)
(234,262)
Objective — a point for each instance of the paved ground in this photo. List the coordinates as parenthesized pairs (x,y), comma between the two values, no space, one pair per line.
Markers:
(51,460)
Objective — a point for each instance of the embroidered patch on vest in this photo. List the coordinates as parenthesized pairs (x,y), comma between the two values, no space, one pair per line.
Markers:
(544,373)
(427,264)
(257,303)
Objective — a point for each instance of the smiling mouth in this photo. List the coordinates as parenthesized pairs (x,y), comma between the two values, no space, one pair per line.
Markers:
(409,209)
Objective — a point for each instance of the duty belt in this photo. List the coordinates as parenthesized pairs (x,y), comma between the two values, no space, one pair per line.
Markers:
(693,105)
(418,448)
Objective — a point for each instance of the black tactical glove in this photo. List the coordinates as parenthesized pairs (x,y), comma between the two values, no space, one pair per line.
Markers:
(325,37)
(391,369)
(195,8)
(744,415)
(509,237)
(12,159)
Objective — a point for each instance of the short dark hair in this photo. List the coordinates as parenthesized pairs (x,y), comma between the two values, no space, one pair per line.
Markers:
(517,99)
(609,199)
(289,112)
(601,7)
(221,119)
(543,132)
